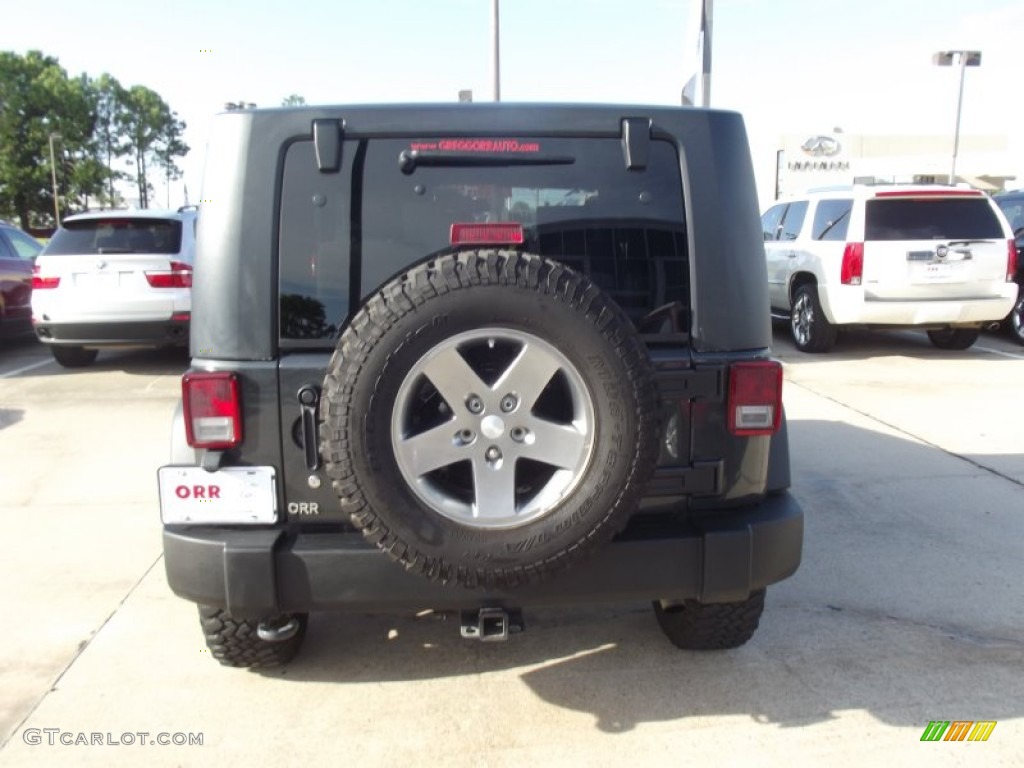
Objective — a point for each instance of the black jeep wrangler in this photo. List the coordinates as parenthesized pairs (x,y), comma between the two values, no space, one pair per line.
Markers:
(477,358)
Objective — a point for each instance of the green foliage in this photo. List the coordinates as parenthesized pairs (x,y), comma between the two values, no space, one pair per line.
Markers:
(38,100)
(154,136)
(110,106)
(93,125)
(294,100)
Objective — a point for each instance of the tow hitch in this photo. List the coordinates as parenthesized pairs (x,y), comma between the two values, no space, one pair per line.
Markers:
(491,625)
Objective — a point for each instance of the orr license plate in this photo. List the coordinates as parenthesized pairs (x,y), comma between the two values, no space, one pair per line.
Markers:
(233,495)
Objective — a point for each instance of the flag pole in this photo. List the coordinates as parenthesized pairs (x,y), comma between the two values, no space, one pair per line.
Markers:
(697,89)
(496,48)
(706,63)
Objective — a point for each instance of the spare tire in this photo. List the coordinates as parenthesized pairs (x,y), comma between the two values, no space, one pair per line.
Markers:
(489,418)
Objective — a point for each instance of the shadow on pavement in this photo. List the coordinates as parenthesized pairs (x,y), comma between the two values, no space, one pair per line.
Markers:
(10,416)
(907,605)
(859,344)
(169,361)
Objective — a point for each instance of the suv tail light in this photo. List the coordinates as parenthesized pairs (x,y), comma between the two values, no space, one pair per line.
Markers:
(852,270)
(504,233)
(1011,261)
(178,276)
(213,409)
(39,282)
(755,398)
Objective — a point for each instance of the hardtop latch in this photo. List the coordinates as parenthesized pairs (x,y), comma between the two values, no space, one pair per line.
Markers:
(636,142)
(327,136)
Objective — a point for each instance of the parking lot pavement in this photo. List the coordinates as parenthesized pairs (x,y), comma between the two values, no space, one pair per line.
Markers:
(907,607)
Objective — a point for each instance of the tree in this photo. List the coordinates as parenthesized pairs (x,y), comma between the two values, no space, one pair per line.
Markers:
(154,136)
(170,146)
(294,100)
(109,105)
(39,101)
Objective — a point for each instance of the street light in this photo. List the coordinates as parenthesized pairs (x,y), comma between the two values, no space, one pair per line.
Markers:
(964,59)
(53,176)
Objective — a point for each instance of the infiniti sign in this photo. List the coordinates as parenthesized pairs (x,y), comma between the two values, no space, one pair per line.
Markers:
(821,146)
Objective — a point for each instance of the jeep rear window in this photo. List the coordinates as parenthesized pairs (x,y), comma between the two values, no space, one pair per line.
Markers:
(384,212)
(575,198)
(116,235)
(931,219)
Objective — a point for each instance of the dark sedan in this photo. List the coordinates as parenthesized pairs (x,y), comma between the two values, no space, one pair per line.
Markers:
(17,257)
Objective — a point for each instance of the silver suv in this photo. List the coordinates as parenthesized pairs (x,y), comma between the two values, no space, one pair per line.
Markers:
(940,259)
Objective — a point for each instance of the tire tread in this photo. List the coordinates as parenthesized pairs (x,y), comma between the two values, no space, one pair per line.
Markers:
(697,626)
(458,272)
(234,642)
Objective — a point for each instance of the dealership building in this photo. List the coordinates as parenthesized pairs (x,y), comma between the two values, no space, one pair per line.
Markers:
(808,161)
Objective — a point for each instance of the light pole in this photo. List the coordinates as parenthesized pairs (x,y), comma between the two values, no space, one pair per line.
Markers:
(53,176)
(964,59)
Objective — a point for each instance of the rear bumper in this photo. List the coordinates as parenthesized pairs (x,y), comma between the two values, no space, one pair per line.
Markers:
(255,573)
(148,332)
(851,307)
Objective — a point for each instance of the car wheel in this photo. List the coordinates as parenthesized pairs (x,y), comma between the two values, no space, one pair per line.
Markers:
(1015,320)
(812,332)
(252,643)
(695,626)
(490,417)
(954,338)
(74,357)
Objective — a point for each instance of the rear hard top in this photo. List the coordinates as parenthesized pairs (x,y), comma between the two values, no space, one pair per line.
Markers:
(239,229)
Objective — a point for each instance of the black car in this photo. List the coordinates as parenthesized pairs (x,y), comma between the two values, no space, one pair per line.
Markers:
(478,358)
(1012,206)
(18,252)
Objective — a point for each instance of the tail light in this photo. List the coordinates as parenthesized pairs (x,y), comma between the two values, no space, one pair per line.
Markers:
(503,233)
(1011,261)
(178,276)
(40,282)
(852,270)
(755,398)
(213,409)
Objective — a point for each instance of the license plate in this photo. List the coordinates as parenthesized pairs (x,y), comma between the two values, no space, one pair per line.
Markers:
(96,279)
(236,495)
(938,273)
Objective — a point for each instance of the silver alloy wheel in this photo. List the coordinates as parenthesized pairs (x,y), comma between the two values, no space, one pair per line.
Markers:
(493,428)
(802,319)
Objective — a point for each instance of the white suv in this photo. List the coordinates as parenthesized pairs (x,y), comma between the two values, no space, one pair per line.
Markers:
(115,278)
(936,258)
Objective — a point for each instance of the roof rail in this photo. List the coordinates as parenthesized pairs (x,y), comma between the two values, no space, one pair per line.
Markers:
(834,188)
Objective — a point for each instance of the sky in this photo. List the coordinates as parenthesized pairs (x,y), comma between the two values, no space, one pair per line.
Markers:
(789,66)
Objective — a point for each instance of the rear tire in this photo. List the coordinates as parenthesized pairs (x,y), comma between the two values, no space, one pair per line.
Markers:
(954,338)
(74,357)
(695,626)
(811,330)
(236,642)
(1015,320)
